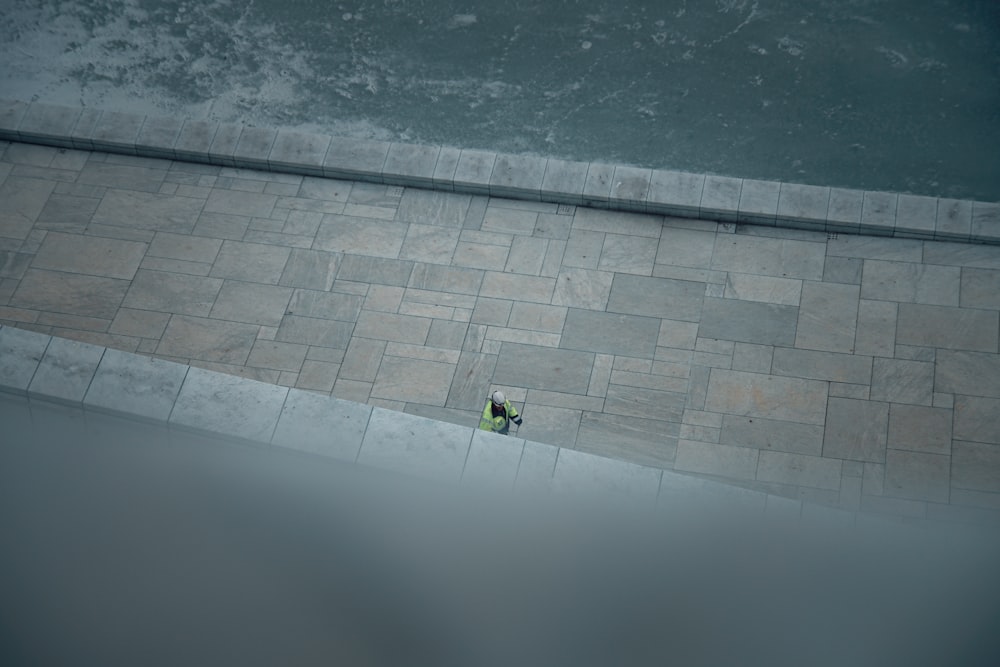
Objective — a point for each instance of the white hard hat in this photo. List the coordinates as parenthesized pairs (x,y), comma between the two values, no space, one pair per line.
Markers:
(499,398)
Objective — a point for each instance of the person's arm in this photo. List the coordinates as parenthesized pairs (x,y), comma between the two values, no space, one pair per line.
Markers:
(512,411)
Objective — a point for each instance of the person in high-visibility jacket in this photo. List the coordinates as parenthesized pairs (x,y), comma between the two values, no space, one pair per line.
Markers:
(498,414)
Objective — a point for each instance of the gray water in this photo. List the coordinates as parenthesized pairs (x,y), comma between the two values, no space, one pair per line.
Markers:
(897,95)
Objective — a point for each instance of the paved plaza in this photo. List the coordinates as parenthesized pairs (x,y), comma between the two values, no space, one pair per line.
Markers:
(851,371)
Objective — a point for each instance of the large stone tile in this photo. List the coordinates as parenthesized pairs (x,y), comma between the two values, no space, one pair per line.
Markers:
(545,368)
(876,332)
(410,164)
(780,436)
(903,381)
(579,473)
(765,289)
(610,333)
(799,470)
(123,177)
(362,359)
(492,461)
(321,425)
(14,264)
(433,208)
(910,282)
(21,202)
(324,305)
(828,316)
(685,247)
(554,426)
(194,140)
(583,249)
(66,370)
(229,405)
(415,446)
(172,293)
(770,397)
(627,254)
(429,243)
(656,297)
(277,356)
(917,476)
(920,429)
(517,176)
(563,181)
(342,233)
(135,385)
(963,254)
(438,278)
(748,322)
(50,124)
(954,219)
(413,380)
(252,262)
(798,204)
(944,327)
(977,419)
(856,430)
(184,247)
(722,460)
(310,269)
(759,202)
(648,442)
(645,403)
(301,152)
(822,365)
(916,216)
(141,210)
(474,171)
(67,212)
(538,317)
(675,192)
(513,286)
(252,303)
(375,270)
(207,340)
(471,382)
(720,200)
(313,331)
(20,353)
(975,466)
(253,147)
(967,373)
(89,255)
(782,258)
(981,288)
(872,247)
(597,185)
(617,222)
(69,293)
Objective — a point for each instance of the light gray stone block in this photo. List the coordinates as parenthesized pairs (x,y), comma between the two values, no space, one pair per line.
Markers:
(298,152)
(903,381)
(827,317)
(69,293)
(916,217)
(781,258)
(321,425)
(873,247)
(642,402)
(158,135)
(493,461)
(748,321)
(876,332)
(759,202)
(117,132)
(597,186)
(711,459)
(844,211)
(917,476)
(675,193)
(954,220)
(830,366)
(878,213)
(253,147)
(135,385)
(474,170)
(767,396)
(580,473)
(445,168)
(772,434)
(968,373)
(209,340)
(981,288)
(803,206)
(582,288)
(563,181)
(49,124)
(656,297)
(410,164)
(83,131)
(765,289)
(224,144)
(556,426)
(720,199)
(649,442)
(610,333)
(537,466)
(985,222)
(228,405)
(910,282)
(977,419)
(856,430)
(920,429)
(20,353)
(415,446)
(66,370)
(630,188)
(517,176)
(195,140)
(975,466)
(799,470)
(944,327)
(172,293)
(358,159)
(550,369)
(90,255)
(12,114)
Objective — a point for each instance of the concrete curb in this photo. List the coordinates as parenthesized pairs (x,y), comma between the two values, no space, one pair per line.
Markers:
(655,191)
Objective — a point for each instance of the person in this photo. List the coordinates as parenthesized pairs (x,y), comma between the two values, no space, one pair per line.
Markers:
(498,414)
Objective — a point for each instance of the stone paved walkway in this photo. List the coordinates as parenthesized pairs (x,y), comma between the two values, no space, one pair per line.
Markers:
(850,371)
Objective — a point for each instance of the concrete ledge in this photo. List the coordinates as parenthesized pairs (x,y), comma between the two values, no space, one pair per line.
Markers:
(595,184)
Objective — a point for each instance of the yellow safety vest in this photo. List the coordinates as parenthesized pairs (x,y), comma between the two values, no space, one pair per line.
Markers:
(499,423)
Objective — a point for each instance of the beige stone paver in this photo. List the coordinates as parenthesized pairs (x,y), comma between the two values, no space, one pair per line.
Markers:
(847,370)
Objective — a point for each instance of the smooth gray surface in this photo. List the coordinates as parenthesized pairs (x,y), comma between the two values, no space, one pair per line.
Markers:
(228,405)
(66,370)
(414,445)
(322,425)
(135,385)
(20,353)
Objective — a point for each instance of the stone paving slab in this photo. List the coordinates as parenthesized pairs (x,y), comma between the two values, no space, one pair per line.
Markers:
(661,317)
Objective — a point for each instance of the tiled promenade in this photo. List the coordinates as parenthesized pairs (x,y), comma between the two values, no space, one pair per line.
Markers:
(851,371)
